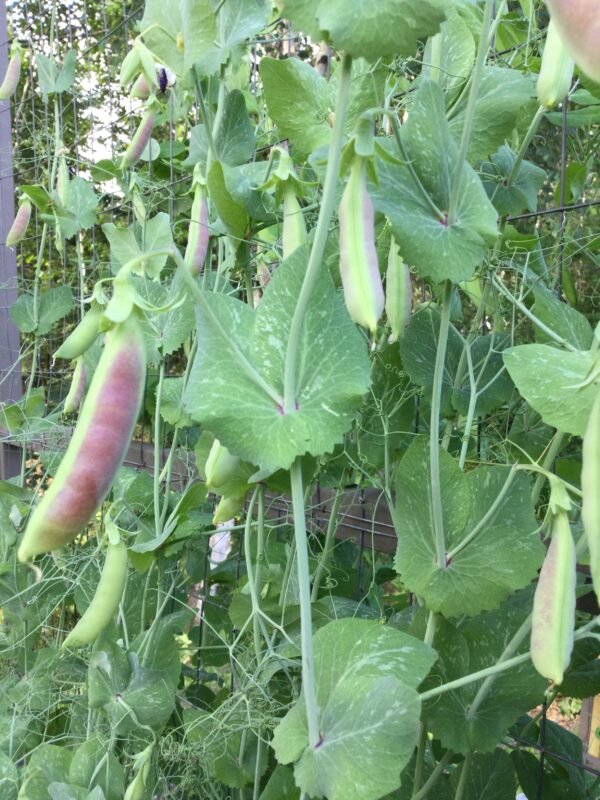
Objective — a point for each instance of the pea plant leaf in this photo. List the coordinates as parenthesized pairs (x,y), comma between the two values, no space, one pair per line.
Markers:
(235,139)
(386,29)
(80,208)
(299,102)
(559,385)
(365,677)
(129,243)
(521,195)
(490,775)
(382,30)
(233,215)
(48,763)
(54,304)
(457,54)
(159,27)
(236,384)
(418,347)
(414,193)
(239,20)
(199,28)
(502,556)
(502,95)
(9,777)
(562,318)
(470,645)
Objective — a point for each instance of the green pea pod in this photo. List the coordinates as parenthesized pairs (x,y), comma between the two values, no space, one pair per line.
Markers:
(62,181)
(98,446)
(139,140)
(130,66)
(220,466)
(197,246)
(105,601)
(398,293)
(83,336)
(137,788)
(556,72)
(19,227)
(590,486)
(228,508)
(553,617)
(11,78)
(141,88)
(294,226)
(361,281)
(77,389)
(578,22)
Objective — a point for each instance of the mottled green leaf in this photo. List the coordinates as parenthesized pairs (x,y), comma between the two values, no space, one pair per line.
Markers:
(503,556)
(234,140)
(9,778)
(418,347)
(416,197)
(233,215)
(561,318)
(365,676)
(502,95)
(558,384)
(242,350)
(522,193)
(490,776)
(299,102)
(467,719)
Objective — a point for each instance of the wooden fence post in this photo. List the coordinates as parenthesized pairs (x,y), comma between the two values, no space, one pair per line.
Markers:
(10,367)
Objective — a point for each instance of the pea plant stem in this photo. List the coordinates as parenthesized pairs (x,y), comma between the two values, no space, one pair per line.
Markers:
(434,430)
(420,759)
(432,621)
(510,650)
(158,449)
(584,632)
(321,232)
(423,792)
(464,774)
(467,130)
(524,310)
(556,446)
(205,305)
(329,539)
(487,517)
(531,131)
(301,541)
(475,676)
(258,624)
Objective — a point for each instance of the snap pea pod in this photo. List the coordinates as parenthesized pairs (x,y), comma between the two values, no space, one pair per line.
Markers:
(398,293)
(139,140)
(19,227)
(556,72)
(294,226)
(11,78)
(105,601)
(220,466)
(578,22)
(359,270)
(98,445)
(197,245)
(590,486)
(553,619)
(77,390)
(83,336)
